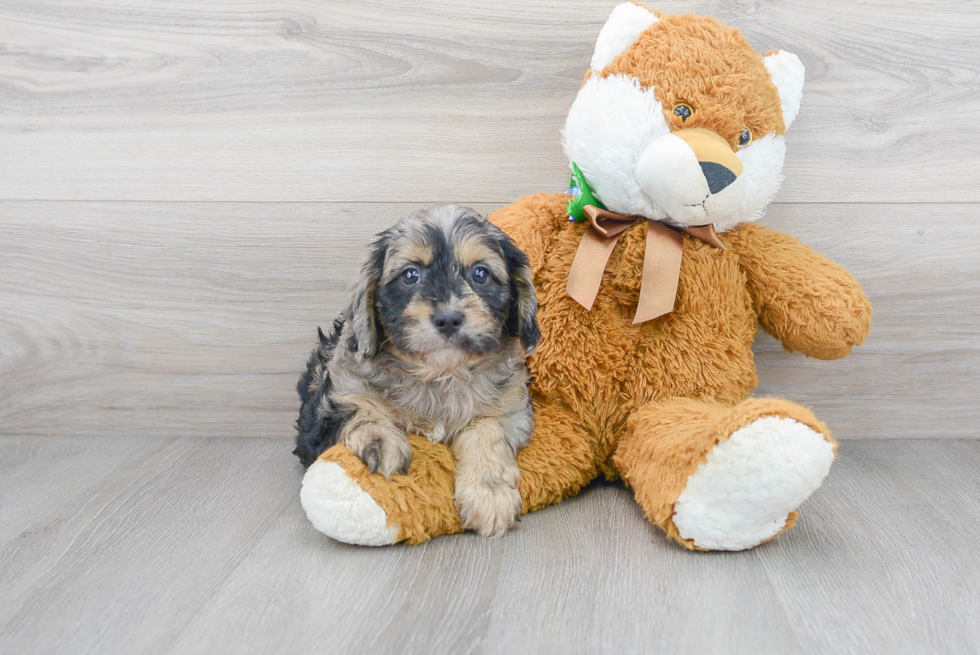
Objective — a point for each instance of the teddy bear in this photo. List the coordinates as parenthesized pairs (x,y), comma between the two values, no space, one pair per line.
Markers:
(652,280)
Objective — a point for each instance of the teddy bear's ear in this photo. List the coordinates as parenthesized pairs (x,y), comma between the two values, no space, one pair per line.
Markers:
(786,71)
(623,26)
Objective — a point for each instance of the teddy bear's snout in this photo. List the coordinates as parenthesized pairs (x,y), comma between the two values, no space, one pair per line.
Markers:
(684,170)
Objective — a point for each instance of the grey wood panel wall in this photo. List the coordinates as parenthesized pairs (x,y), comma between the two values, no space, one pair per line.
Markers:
(410,101)
(298,129)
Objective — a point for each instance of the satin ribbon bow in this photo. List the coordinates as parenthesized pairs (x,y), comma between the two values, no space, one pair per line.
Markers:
(661,260)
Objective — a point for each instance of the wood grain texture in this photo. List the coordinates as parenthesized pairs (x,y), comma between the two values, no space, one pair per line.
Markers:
(37,475)
(202,547)
(124,563)
(419,102)
(173,319)
(136,323)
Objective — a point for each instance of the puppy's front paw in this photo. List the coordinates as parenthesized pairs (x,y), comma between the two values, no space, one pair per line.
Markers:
(383,449)
(488,508)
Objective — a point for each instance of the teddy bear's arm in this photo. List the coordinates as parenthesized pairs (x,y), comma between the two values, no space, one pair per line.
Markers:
(802,298)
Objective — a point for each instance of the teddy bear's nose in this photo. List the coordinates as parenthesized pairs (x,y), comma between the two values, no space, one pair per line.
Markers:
(718,176)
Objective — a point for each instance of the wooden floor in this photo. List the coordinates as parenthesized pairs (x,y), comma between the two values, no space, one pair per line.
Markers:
(196,545)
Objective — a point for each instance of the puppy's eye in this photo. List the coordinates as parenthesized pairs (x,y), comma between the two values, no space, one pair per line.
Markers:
(745,138)
(683,110)
(480,275)
(411,276)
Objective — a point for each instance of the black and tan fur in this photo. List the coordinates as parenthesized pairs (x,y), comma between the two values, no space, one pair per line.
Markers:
(387,368)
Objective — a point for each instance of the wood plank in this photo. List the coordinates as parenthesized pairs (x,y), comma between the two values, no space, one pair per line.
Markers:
(37,473)
(124,566)
(168,319)
(300,592)
(588,576)
(614,584)
(888,537)
(205,549)
(418,102)
(194,319)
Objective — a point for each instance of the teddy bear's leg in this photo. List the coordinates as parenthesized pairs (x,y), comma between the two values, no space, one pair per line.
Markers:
(347,503)
(561,458)
(717,477)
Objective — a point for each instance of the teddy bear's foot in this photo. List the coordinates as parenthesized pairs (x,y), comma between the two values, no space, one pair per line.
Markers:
(346,502)
(338,507)
(748,487)
(718,477)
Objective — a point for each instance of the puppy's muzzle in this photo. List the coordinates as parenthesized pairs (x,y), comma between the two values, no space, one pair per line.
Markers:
(448,321)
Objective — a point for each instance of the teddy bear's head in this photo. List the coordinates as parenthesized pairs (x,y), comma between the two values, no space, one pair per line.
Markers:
(680,120)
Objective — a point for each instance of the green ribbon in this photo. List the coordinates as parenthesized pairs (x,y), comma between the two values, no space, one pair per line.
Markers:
(576,206)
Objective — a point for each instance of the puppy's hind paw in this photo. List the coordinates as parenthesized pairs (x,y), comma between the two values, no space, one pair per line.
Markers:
(383,449)
(488,509)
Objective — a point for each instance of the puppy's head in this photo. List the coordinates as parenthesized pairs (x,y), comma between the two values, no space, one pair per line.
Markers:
(444,286)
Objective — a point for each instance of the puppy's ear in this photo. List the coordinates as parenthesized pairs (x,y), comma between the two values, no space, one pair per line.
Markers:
(361,312)
(522,319)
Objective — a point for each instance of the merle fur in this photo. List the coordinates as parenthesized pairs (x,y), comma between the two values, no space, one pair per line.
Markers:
(444,278)
(317,431)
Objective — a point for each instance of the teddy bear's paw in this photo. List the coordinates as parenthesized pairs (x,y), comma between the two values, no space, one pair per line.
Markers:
(744,492)
(338,507)
(489,509)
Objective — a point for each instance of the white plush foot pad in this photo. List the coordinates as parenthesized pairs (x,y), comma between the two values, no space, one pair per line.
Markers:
(338,507)
(744,492)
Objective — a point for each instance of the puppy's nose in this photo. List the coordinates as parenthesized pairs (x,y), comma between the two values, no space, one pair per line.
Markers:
(448,321)
(717,176)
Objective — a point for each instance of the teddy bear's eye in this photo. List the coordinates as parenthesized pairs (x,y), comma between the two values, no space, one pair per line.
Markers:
(745,138)
(683,110)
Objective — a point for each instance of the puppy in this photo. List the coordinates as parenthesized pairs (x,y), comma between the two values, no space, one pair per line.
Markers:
(432,342)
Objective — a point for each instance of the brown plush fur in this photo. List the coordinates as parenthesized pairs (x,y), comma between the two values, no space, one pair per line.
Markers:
(420,503)
(666,441)
(669,389)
